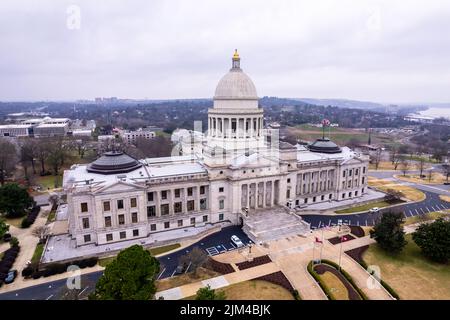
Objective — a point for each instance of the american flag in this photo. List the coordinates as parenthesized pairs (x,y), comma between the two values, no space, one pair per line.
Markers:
(318,240)
(326,122)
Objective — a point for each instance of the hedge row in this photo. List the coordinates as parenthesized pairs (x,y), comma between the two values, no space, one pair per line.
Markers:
(56,268)
(31,217)
(316,277)
(8,259)
(347,276)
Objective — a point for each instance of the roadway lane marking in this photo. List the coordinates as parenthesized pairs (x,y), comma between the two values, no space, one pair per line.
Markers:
(358,223)
(329,222)
(417,212)
(189,265)
(423,212)
(366,223)
(212,251)
(319,224)
(162,272)
(49,297)
(83,291)
(173,272)
(433,208)
(234,247)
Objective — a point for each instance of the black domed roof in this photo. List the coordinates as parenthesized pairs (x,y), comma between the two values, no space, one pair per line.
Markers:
(324,145)
(113,163)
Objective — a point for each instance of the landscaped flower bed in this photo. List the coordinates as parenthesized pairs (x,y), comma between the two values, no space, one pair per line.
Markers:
(256,262)
(220,267)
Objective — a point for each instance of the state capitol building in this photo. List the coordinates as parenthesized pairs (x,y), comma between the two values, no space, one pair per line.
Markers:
(236,173)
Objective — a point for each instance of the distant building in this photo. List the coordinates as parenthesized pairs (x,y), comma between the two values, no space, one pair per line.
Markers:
(16,130)
(132,136)
(82,133)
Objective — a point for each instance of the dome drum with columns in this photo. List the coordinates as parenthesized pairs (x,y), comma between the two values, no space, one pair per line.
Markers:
(236,121)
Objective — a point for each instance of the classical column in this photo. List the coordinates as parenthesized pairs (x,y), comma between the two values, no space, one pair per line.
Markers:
(264,194)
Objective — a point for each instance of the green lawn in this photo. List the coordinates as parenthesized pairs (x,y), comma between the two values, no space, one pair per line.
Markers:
(410,274)
(51,216)
(366,207)
(426,217)
(48,182)
(154,252)
(37,253)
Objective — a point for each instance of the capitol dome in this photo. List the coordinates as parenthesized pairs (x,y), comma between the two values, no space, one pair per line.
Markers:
(235,84)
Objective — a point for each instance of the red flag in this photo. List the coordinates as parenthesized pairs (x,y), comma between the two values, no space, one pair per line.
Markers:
(317,240)
(325,122)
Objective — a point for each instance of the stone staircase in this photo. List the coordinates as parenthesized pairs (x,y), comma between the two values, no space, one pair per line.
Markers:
(272,224)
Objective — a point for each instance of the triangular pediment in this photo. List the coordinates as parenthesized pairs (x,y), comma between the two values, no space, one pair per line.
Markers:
(120,186)
(352,161)
(252,161)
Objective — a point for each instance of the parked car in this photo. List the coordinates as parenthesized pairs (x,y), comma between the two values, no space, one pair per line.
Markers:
(236,241)
(12,274)
(374,210)
(7,237)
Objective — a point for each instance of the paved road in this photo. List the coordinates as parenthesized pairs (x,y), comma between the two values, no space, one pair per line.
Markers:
(212,244)
(430,204)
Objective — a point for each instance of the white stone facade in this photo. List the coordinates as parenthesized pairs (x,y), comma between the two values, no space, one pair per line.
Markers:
(236,170)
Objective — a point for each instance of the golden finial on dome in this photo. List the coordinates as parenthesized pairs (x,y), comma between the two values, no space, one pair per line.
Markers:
(236,54)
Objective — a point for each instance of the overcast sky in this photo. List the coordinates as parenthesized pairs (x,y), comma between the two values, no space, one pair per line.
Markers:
(382,51)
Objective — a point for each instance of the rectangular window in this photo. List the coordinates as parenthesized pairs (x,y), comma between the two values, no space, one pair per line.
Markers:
(349,184)
(164,194)
(134,217)
(119,204)
(85,223)
(177,193)
(166,225)
(150,196)
(343,196)
(190,205)
(177,207)
(306,200)
(135,232)
(202,189)
(180,223)
(364,169)
(349,194)
(220,216)
(109,237)
(133,202)
(151,211)
(330,196)
(121,219)
(153,227)
(107,222)
(221,204)
(87,238)
(314,199)
(106,206)
(356,193)
(362,191)
(289,180)
(356,172)
(363,180)
(202,204)
(192,221)
(322,197)
(84,207)
(123,235)
(164,209)
(205,218)
(350,173)
(189,192)
(343,174)
(221,189)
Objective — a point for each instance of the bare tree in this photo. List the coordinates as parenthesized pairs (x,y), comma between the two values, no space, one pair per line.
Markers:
(375,158)
(8,159)
(41,232)
(446,169)
(196,258)
(430,175)
(42,152)
(54,200)
(421,164)
(404,165)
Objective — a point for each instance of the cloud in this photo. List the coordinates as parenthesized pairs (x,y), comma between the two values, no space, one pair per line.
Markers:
(393,51)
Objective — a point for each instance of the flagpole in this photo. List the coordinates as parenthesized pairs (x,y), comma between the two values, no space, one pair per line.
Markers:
(321,248)
(340,255)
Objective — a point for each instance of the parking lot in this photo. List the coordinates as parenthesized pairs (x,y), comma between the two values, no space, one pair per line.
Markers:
(212,245)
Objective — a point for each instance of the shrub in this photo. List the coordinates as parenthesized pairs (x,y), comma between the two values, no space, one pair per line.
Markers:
(296,295)
(14,243)
(27,272)
(36,275)
(25,223)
